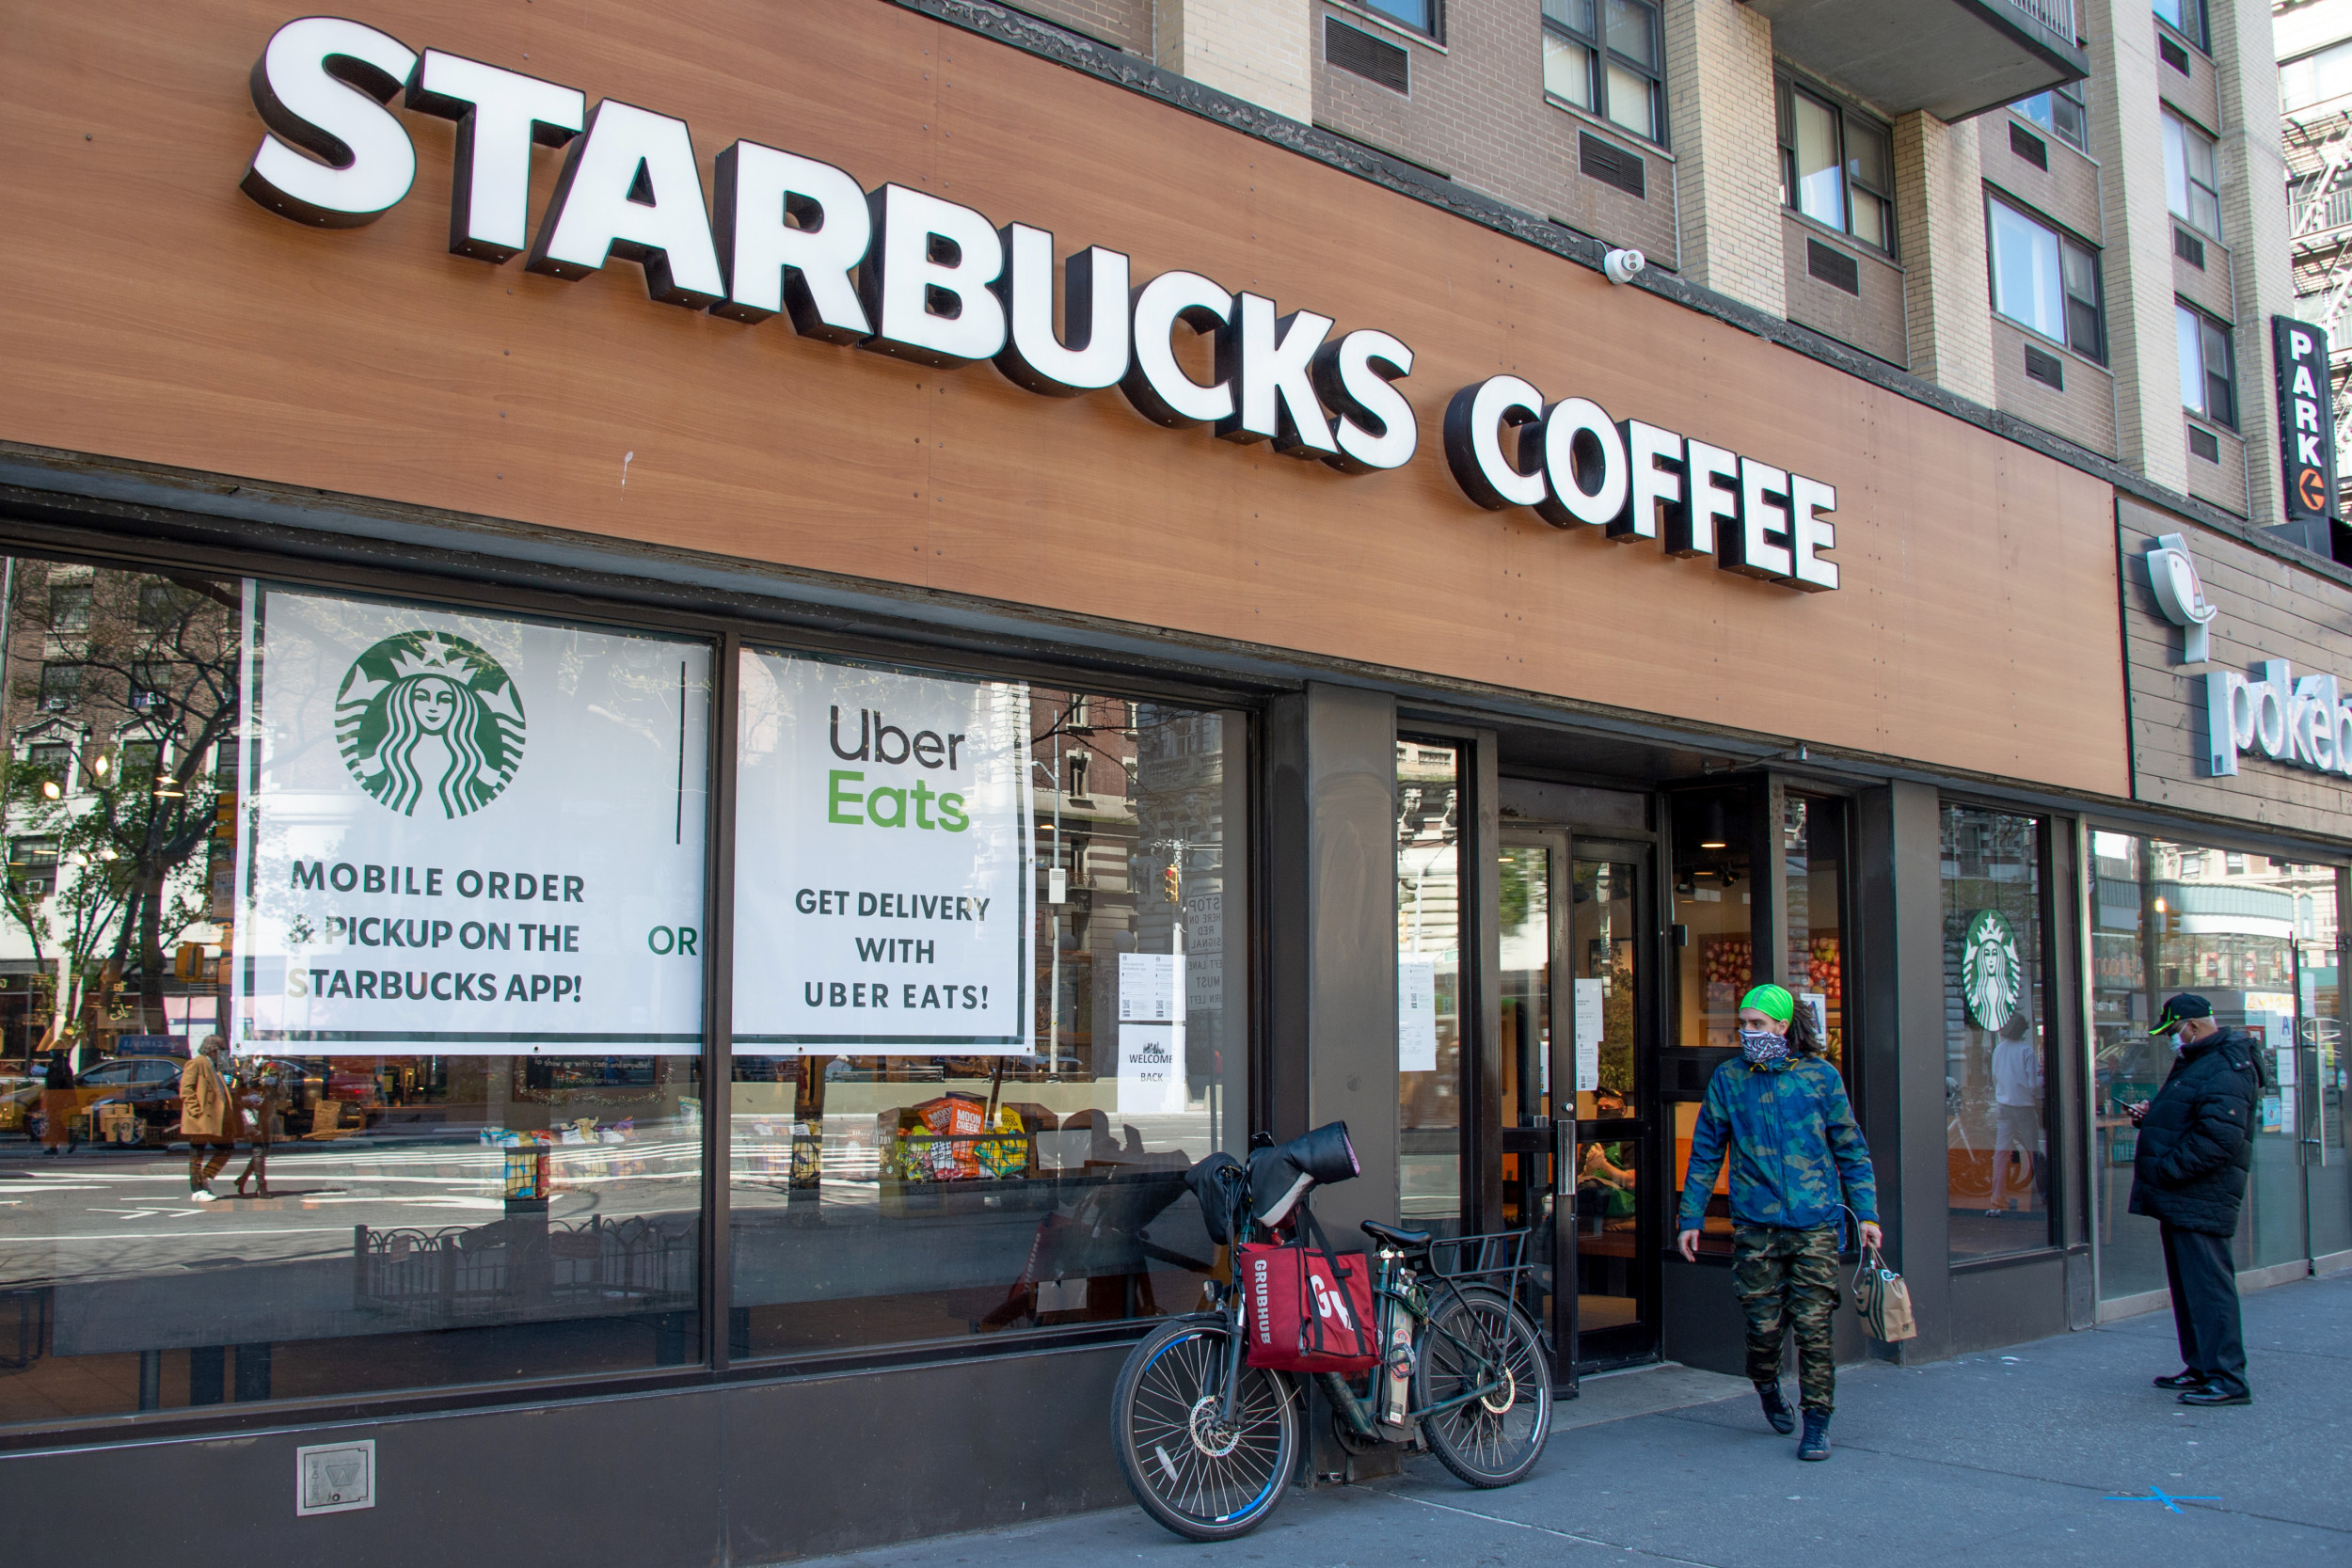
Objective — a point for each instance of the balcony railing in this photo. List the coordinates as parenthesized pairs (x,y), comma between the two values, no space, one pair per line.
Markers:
(2057,15)
(2332,210)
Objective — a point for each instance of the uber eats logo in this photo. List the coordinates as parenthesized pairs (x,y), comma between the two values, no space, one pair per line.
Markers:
(427,718)
(918,805)
(1991,976)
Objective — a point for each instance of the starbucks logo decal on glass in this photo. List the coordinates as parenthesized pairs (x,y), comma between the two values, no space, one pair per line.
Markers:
(428,718)
(1991,976)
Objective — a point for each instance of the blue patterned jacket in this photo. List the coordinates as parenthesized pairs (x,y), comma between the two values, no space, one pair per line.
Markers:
(1793,1142)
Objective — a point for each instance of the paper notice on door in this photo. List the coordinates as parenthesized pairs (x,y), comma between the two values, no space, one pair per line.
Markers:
(1151,988)
(1817,1003)
(1416,1016)
(1151,1069)
(1589,1031)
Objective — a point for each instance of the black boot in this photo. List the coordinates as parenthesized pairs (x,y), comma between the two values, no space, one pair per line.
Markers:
(1777,1408)
(1815,1444)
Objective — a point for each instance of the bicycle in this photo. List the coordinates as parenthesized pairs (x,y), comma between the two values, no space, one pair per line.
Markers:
(1208,1443)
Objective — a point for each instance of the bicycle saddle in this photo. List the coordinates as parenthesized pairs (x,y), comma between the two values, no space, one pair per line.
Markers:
(1411,1241)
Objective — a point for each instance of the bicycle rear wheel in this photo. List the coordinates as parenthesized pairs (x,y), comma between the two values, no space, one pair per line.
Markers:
(1194,1475)
(1476,1342)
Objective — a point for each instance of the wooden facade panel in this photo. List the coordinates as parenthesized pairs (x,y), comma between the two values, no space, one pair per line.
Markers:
(2268,609)
(166,318)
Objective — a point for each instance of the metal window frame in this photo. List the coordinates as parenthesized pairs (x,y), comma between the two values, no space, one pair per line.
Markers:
(144,540)
(1785,83)
(2065,237)
(1599,54)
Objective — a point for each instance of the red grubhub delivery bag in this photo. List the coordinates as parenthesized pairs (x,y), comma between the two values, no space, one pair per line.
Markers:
(1308,1310)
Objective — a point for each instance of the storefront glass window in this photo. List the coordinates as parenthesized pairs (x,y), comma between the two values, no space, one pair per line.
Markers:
(2256,937)
(989,1003)
(1428,981)
(1714,963)
(1813,850)
(1996,1034)
(457,1140)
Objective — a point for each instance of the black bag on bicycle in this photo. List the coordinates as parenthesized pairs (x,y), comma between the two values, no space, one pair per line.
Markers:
(1279,1177)
(1221,1186)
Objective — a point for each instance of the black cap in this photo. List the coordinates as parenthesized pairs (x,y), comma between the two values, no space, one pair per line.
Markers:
(2180,1010)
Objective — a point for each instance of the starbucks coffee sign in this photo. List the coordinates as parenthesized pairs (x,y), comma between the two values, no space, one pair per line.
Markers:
(425,693)
(901,272)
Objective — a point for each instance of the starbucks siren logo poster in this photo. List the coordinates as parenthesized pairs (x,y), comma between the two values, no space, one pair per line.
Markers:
(427,717)
(1991,976)
(408,885)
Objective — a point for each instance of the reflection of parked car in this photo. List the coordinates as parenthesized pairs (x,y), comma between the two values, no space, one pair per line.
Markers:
(19,1096)
(149,1084)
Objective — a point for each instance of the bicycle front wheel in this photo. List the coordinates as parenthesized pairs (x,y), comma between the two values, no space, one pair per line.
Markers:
(1188,1470)
(1483,1361)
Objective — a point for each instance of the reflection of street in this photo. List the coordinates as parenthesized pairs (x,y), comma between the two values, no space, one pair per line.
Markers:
(115,1216)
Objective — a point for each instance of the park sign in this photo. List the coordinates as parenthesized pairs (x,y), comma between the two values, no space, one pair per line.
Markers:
(904,273)
(2307,422)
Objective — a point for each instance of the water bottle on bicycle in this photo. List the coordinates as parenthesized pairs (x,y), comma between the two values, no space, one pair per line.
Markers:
(1423,1342)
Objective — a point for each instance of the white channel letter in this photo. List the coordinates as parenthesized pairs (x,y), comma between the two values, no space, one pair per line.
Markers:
(1655,458)
(630,188)
(1265,359)
(2226,698)
(791,232)
(1580,441)
(500,115)
(1711,514)
(2271,694)
(926,276)
(1356,379)
(1474,423)
(2316,699)
(321,85)
(1810,533)
(1094,316)
(1155,382)
(1749,549)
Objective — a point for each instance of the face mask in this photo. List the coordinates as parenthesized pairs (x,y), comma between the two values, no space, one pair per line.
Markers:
(1761,1045)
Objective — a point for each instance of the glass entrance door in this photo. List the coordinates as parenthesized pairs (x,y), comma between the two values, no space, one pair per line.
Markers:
(1529,1057)
(1617,1170)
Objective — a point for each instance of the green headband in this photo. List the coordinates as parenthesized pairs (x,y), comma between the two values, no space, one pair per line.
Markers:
(1773,1002)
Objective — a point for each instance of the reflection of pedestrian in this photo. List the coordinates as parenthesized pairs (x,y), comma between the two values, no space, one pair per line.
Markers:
(208,1118)
(257,1097)
(2196,1145)
(2016,1108)
(1797,1159)
(56,1102)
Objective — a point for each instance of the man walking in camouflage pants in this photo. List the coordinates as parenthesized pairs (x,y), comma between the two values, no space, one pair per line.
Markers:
(1797,1161)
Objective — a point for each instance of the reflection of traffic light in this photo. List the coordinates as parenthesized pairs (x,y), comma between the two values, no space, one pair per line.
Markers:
(1172,881)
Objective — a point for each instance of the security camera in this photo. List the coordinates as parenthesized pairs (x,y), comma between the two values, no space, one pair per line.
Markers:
(1624,266)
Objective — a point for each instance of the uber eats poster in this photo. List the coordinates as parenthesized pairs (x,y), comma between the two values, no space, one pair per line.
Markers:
(882,862)
(466,834)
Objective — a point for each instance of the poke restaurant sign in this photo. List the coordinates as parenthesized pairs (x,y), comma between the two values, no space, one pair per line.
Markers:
(899,272)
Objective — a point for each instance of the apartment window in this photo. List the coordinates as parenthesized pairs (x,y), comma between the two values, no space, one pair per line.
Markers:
(2059,111)
(52,758)
(2045,282)
(1836,165)
(1603,55)
(2191,185)
(2316,78)
(1419,15)
(60,687)
(142,759)
(150,686)
(2208,366)
(69,608)
(2185,17)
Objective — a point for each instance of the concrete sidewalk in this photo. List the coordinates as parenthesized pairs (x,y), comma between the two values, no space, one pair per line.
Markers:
(2000,1460)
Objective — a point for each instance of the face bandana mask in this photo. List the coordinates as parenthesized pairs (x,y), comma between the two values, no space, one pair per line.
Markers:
(1760,1046)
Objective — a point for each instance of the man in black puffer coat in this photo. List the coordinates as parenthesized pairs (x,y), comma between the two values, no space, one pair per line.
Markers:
(2196,1145)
